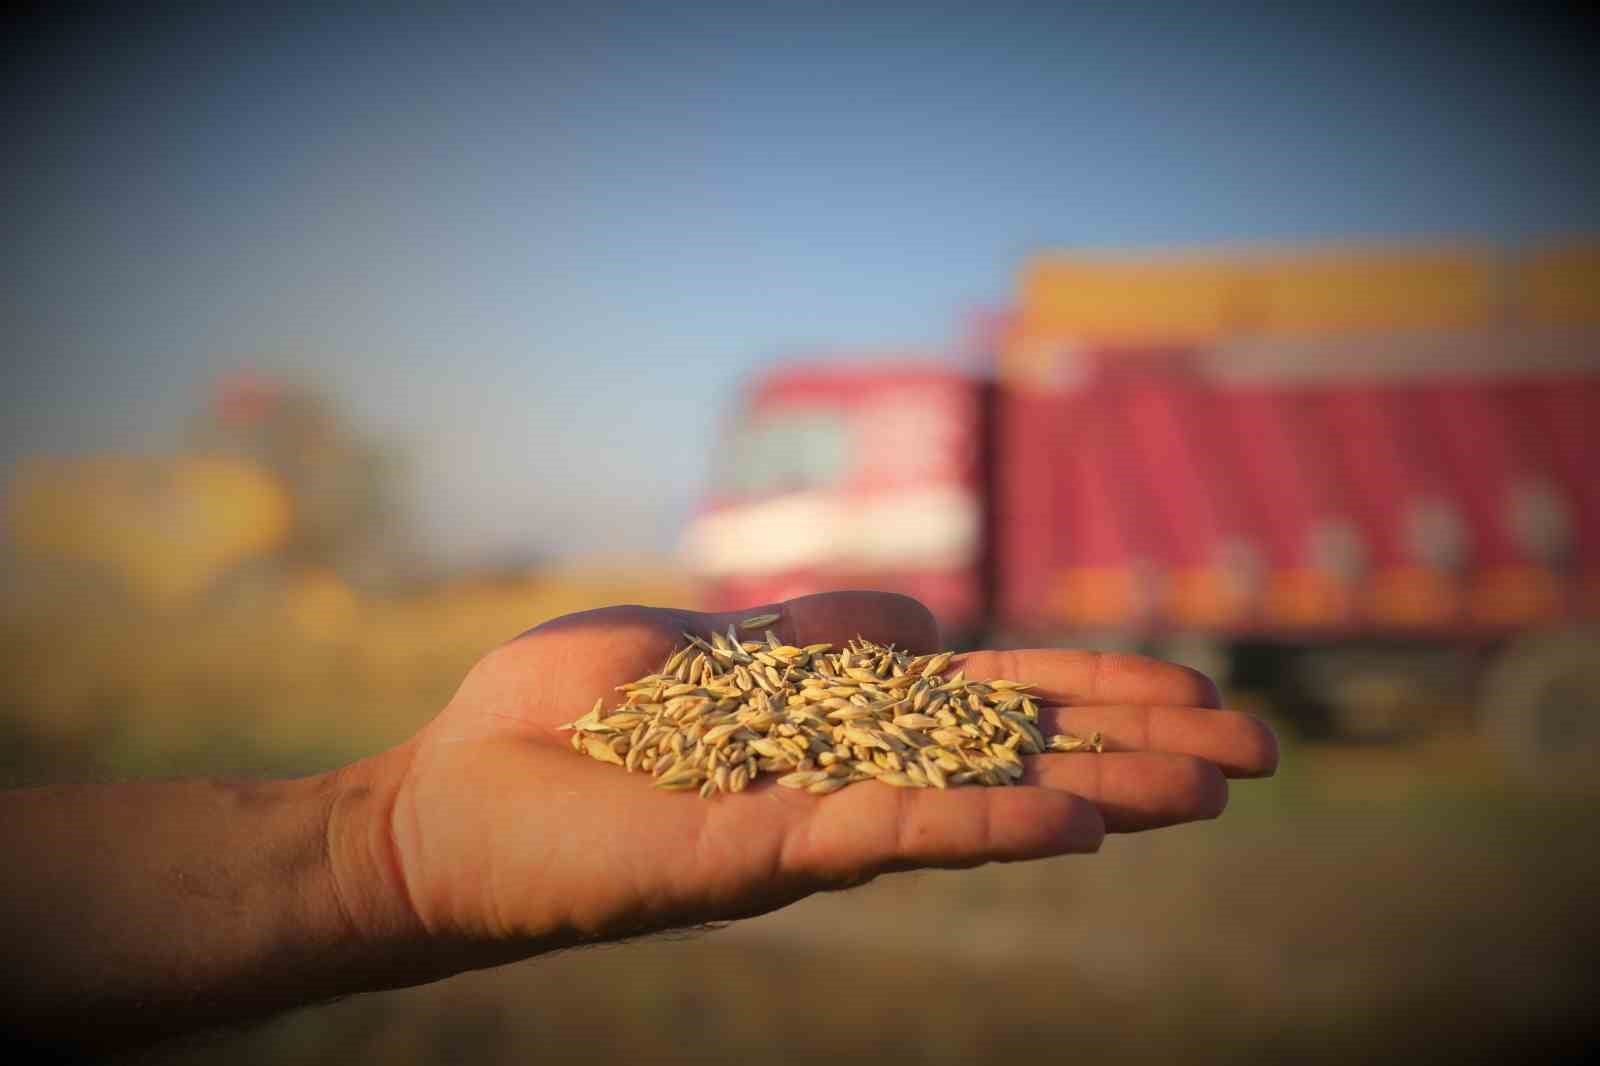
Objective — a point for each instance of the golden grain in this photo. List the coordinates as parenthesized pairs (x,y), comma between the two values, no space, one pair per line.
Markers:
(722,710)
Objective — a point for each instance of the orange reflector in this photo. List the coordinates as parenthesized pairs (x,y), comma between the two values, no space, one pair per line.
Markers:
(1515,595)
(1206,597)
(1097,597)
(1413,596)
(1306,597)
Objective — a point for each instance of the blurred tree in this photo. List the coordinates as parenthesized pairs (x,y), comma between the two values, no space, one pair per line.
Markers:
(342,487)
(270,488)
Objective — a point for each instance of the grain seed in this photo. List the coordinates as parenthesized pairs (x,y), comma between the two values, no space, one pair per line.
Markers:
(723,710)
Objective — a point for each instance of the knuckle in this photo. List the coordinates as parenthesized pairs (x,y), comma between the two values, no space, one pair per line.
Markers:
(1206,787)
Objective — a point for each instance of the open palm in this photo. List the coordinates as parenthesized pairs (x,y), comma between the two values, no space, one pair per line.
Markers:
(503,835)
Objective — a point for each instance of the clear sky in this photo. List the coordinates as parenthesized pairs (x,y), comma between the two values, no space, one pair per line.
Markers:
(538,249)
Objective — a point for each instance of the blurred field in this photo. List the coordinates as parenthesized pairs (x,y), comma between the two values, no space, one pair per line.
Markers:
(1366,903)
(302,676)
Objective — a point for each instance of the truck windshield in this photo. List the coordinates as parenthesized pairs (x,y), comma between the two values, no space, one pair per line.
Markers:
(779,453)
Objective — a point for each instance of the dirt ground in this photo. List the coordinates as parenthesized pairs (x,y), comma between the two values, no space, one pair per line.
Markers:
(1369,903)
(1441,915)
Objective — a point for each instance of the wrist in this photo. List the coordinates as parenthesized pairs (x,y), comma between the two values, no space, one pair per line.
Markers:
(363,884)
(367,886)
(158,907)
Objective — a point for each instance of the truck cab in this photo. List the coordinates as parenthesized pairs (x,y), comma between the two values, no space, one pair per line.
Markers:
(867,473)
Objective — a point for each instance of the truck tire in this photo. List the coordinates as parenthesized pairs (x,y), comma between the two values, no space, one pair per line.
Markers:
(1539,703)
(1380,694)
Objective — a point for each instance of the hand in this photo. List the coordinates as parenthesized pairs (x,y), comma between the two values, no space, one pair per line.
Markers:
(507,842)
(161,907)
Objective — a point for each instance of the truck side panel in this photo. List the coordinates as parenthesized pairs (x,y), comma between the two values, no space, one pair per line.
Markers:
(1283,470)
(1380,505)
(1510,580)
(1560,420)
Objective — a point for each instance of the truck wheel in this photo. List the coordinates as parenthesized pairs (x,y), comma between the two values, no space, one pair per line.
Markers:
(1384,694)
(1539,703)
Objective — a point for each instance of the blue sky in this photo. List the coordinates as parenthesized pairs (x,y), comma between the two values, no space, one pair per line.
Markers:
(537,249)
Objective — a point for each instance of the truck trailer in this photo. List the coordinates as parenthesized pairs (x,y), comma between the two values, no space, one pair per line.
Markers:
(1381,528)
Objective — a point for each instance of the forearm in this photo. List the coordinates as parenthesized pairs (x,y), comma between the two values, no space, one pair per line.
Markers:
(133,911)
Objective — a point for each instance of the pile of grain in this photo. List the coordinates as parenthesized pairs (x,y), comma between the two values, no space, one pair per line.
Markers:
(722,710)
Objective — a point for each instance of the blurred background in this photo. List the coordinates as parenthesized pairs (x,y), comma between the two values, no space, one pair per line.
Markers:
(342,348)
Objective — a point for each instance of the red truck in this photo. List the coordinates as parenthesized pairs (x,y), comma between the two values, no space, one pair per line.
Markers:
(1373,528)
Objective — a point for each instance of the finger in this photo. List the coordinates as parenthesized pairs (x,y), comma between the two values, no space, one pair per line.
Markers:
(835,617)
(869,829)
(1240,744)
(1135,791)
(1095,677)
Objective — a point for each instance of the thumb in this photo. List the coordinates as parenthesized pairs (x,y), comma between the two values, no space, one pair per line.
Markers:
(835,617)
